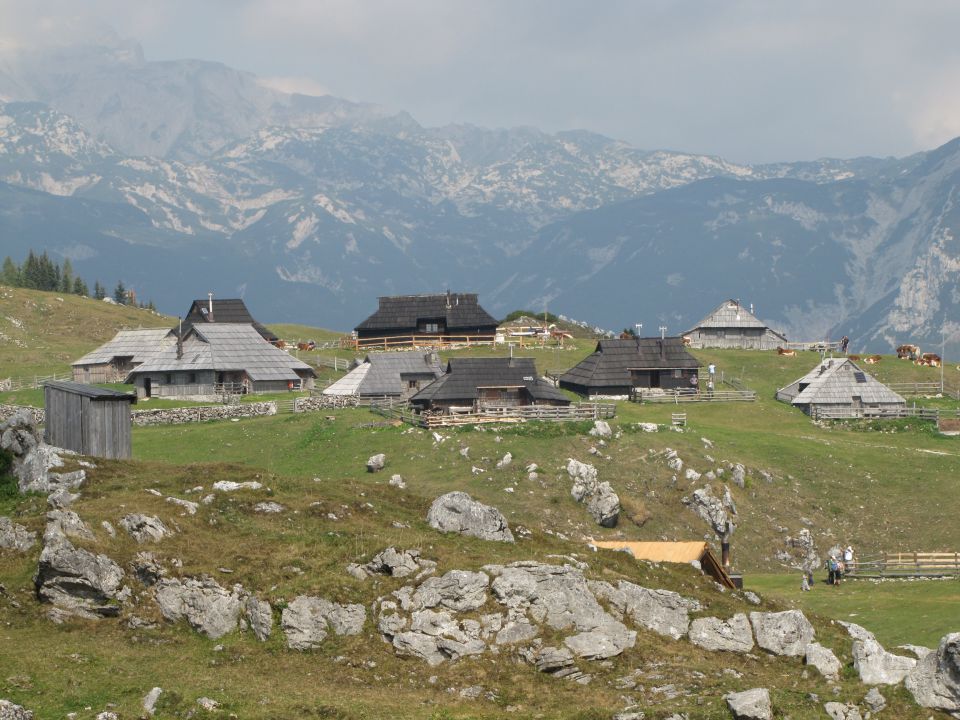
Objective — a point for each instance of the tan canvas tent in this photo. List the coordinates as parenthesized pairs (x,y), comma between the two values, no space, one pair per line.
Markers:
(673,552)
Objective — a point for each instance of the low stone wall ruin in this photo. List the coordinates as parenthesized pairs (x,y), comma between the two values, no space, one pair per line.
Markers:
(7,411)
(202,413)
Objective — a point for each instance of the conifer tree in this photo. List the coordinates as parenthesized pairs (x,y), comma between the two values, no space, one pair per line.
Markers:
(120,293)
(66,277)
(98,291)
(10,275)
(79,286)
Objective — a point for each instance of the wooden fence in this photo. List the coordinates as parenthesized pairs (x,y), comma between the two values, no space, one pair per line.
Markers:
(330,362)
(914,389)
(908,564)
(814,345)
(439,342)
(643,395)
(34,381)
(865,413)
(496,414)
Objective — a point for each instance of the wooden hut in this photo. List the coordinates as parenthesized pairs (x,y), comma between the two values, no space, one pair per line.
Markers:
(398,374)
(473,384)
(673,552)
(730,325)
(89,420)
(441,316)
(113,361)
(619,366)
(839,387)
(232,311)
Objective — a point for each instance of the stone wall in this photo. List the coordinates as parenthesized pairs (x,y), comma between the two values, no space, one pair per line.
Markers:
(202,413)
(7,411)
(325,402)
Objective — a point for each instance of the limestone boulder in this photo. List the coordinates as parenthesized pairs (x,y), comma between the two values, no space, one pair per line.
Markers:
(307,621)
(604,505)
(11,711)
(875,665)
(77,580)
(458,590)
(601,429)
(398,563)
(874,700)
(458,512)
(208,607)
(144,528)
(733,635)
(842,711)
(67,522)
(750,704)
(15,537)
(823,660)
(782,633)
(376,463)
(584,479)
(935,682)
(662,611)
(259,615)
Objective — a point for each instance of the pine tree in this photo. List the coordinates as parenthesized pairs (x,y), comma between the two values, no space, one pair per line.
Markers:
(66,277)
(30,272)
(79,286)
(10,275)
(151,306)
(98,291)
(120,293)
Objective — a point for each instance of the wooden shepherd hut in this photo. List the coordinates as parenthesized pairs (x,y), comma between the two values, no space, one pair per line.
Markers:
(396,374)
(730,325)
(113,361)
(229,310)
(443,315)
(619,366)
(839,387)
(473,384)
(89,420)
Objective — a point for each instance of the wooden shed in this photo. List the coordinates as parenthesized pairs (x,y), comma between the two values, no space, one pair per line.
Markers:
(89,420)
(731,325)
(673,552)
(838,386)
(408,319)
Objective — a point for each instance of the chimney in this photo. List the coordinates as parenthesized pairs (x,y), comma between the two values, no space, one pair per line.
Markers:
(210,306)
(180,339)
(448,299)
(725,547)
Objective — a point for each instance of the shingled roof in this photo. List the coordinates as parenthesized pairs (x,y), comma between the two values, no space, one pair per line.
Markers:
(836,381)
(227,310)
(225,347)
(139,345)
(465,375)
(610,364)
(730,314)
(382,374)
(401,312)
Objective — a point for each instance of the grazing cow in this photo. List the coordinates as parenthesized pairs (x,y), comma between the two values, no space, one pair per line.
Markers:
(931,359)
(908,352)
(786,353)
(873,359)
(306,345)
(687,340)
(280,344)
(853,357)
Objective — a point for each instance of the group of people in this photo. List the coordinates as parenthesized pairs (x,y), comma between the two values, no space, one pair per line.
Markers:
(837,566)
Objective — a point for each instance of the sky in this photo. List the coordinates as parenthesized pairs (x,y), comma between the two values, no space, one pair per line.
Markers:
(751,81)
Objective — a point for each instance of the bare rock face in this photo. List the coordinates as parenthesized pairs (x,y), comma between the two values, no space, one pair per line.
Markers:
(458,512)
(733,635)
(144,528)
(875,665)
(306,621)
(718,513)
(584,479)
(803,551)
(202,602)
(76,580)
(935,682)
(841,711)
(782,633)
(603,503)
(9,711)
(663,611)
(260,616)
(458,590)
(34,461)
(823,659)
(750,704)
(15,537)
(398,563)
(67,522)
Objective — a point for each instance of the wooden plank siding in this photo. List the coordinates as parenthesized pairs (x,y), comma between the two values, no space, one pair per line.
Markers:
(89,421)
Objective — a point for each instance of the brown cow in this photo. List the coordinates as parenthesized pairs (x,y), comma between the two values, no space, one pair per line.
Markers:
(785,352)
(908,352)
(931,359)
(873,359)
(853,357)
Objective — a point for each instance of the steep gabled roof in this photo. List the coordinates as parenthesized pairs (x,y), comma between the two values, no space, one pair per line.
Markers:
(460,310)
(610,364)
(383,374)
(225,347)
(731,314)
(139,345)
(227,310)
(836,381)
(465,375)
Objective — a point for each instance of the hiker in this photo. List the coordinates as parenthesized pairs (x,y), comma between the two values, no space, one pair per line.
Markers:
(710,386)
(844,341)
(833,571)
(848,558)
(712,369)
(804,583)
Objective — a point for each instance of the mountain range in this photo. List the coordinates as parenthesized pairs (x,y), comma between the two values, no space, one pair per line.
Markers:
(184,177)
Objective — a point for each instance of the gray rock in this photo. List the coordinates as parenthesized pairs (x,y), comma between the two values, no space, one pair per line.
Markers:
(601,428)
(750,704)
(62,498)
(268,508)
(584,478)
(147,569)
(68,523)
(398,563)
(874,700)
(357,571)
(841,711)
(663,611)
(306,621)
(36,471)
(733,635)
(398,482)
(190,507)
(150,700)
(823,659)
(458,590)
(458,512)
(434,636)
(105,715)
(233,486)
(208,704)
(505,461)
(552,659)
(15,537)
(604,505)
(875,665)
(738,475)
(803,551)
(260,616)
(9,711)
(716,512)
(206,606)
(144,528)
(782,633)
(77,580)
(935,682)
(376,463)
(515,632)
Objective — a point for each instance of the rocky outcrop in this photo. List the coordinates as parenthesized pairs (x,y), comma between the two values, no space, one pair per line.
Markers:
(67,522)
(823,660)
(782,633)
(803,551)
(750,704)
(842,711)
(874,700)
(458,512)
(307,621)
(733,635)
(144,528)
(259,616)
(718,513)
(875,665)
(10,711)
(202,602)
(935,682)
(398,563)
(662,611)
(15,537)
(75,580)
(376,463)
(603,503)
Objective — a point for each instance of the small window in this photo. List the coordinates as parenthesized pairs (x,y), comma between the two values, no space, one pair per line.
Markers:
(413,384)
(168,379)
(860,377)
(678,373)
(192,379)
